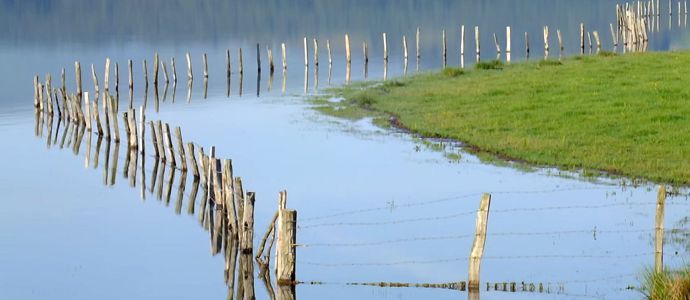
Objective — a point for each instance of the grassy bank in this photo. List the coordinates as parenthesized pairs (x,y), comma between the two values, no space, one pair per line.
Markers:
(627,115)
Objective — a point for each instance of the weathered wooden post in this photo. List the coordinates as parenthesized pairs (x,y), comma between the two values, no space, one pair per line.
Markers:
(287,241)
(462,46)
(87,118)
(190,75)
(385,48)
(247,238)
(192,156)
(597,40)
(476,41)
(241,69)
(180,148)
(348,57)
(165,72)
(271,65)
(170,150)
(156,63)
(479,240)
(316,52)
(142,130)
(283,50)
(419,53)
(77,75)
(205,61)
(659,229)
(146,73)
(404,44)
(306,52)
(444,51)
(36,91)
(508,36)
(582,38)
(498,46)
(174,70)
(526,44)
(546,42)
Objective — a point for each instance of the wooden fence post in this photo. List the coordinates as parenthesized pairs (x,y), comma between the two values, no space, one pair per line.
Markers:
(286,243)
(659,238)
(582,38)
(444,51)
(479,241)
(247,238)
(190,75)
(385,48)
(508,34)
(348,57)
(306,52)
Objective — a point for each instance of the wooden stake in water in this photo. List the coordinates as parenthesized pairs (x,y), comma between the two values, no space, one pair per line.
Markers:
(174,70)
(205,60)
(168,144)
(77,75)
(190,75)
(348,56)
(87,106)
(404,43)
(283,50)
(180,148)
(328,48)
(659,235)
(287,241)
(479,240)
(316,52)
(156,63)
(241,70)
(247,237)
(385,48)
(306,52)
(146,73)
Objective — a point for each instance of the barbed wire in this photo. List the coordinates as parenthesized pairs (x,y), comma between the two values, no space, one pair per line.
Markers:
(593,231)
(450,198)
(466,213)
(393,222)
(457,259)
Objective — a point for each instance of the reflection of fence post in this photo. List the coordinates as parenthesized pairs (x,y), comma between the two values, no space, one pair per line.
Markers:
(286,245)
(479,240)
(659,243)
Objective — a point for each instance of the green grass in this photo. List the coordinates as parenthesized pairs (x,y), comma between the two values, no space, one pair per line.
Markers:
(617,114)
(667,285)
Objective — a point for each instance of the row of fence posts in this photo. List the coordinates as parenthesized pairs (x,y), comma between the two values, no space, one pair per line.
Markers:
(632,28)
(235,206)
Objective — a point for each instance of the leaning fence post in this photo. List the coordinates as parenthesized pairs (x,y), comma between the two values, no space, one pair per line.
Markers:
(659,240)
(479,241)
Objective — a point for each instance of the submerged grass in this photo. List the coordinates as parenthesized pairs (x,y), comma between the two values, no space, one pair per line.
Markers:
(626,115)
(667,285)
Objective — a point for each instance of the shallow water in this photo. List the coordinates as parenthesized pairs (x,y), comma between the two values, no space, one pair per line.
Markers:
(373,205)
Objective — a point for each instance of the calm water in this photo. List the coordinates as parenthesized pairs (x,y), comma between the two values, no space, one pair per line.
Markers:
(373,205)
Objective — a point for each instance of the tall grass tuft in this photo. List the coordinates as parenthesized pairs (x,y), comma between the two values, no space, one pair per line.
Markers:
(667,285)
